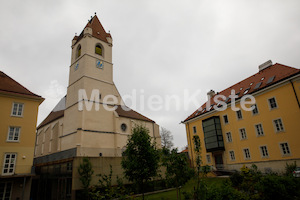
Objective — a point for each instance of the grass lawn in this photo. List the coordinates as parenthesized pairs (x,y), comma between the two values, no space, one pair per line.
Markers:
(188,187)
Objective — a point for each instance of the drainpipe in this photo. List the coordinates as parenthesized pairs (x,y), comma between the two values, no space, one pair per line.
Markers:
(295,93)
(191,145)
(23,189)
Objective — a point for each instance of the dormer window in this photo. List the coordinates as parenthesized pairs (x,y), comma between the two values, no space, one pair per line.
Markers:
(98,49)
(78,52)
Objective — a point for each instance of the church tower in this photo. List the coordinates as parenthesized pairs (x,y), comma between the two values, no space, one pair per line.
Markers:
(85,123)
(91,120)
(90,81)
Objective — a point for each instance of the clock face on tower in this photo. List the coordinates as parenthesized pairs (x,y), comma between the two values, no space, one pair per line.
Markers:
(99,64)
(76,66)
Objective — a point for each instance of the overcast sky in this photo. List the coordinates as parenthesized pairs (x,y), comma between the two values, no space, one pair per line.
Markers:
(159,47)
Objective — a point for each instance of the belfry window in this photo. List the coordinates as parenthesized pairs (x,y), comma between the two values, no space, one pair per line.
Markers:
(98,49)
(78,52)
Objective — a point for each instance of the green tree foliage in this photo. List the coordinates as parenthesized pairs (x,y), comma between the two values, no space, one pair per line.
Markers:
(141,158)
(201,189)
(85,171)
(177,169)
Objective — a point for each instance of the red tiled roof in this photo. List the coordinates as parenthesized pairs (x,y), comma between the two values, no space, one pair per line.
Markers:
(131,114)
(97,30)
(9,85)
(121,112)
(185,151)
(51,117)
(279,71)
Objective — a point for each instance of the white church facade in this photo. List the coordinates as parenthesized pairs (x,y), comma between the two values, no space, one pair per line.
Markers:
(90,121)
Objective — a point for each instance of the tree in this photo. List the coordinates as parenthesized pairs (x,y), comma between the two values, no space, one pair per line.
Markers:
(177,169)
(166,138)
(85,171)
(140,160)
(201,187)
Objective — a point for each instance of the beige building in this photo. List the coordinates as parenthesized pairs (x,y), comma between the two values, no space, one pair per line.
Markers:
(91,120)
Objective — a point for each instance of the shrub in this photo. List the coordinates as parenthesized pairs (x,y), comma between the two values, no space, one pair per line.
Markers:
(289,168)
(236,179)
(279,187)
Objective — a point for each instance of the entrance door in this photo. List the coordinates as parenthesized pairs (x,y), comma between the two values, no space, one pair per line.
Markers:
(219,161)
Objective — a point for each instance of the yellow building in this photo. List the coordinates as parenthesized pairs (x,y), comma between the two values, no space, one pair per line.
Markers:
(267,135)
(19,109)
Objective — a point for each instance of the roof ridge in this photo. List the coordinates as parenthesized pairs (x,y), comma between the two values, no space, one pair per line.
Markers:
(13,86)
(277,72)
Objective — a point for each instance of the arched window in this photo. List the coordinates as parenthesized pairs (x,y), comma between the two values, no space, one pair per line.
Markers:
(98,49)
(78,52)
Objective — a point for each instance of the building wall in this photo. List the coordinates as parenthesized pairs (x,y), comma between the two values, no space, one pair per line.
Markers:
(91,142)
(288,111)
(25,146)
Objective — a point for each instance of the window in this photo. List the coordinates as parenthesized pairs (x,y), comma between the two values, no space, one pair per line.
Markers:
(278,125)
(257,85)
(194,129)
(285,150)
(208,159)
(5,190)
(246,91)
(123,127)
(270,79)
(9,163)
(264,151)
(98,49)
(232,156)
(259,130)
(69,166)
(229,138)
(272,103)
(243,133)
(78,52)
(247,154)
(239,114)
(254,109)
(13,134)
(225,117)
(17,109)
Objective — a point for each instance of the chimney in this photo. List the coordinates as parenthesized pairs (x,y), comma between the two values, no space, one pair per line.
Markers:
(210,94)
(265,65)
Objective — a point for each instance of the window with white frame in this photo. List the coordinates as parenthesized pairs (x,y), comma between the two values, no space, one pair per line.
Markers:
(259,130)
(194,129)
(17,109)
(5,190)
(247,154)
(225,117)
(285,149)
(208,159)
(264,151)
(254,109)
(232,156)
(239,114)
(9,163)
(243,133)
(272,103)
(13,134)
(228,136)
(278,125)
